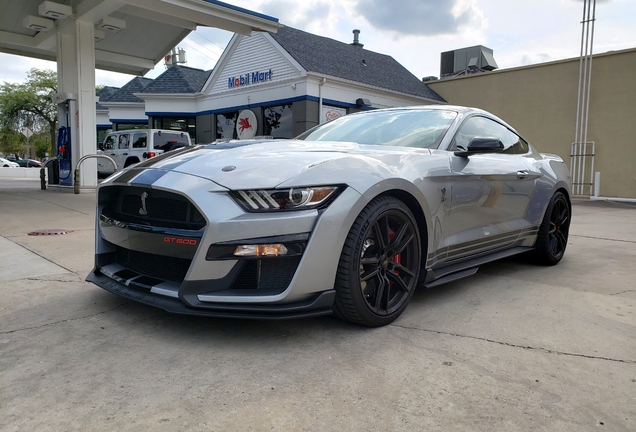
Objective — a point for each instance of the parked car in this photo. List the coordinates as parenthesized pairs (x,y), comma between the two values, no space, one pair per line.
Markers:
(6,163)
(350,217)
(133,146)
(29,163)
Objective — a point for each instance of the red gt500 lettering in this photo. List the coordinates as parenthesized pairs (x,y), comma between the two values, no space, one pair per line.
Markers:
(176,240)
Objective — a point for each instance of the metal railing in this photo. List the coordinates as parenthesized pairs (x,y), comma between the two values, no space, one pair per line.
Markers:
(76,174)
(582,155)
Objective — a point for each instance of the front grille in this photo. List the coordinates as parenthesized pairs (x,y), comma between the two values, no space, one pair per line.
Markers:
(268,275)
(152,207)
(158,266)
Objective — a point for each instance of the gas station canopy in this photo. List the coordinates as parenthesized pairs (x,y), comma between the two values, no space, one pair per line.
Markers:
(131,36)
(128,36)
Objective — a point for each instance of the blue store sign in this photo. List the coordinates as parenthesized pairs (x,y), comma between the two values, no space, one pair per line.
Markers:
(249,78)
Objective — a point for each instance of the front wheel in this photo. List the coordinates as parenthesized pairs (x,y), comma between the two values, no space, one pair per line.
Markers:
(379,264)
(553,233)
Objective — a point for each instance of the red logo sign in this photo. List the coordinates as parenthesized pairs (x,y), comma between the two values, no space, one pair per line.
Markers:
(244,123)
(332,115)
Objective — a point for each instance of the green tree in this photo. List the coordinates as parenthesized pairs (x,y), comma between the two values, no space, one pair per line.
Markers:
(11,142)
(29,105)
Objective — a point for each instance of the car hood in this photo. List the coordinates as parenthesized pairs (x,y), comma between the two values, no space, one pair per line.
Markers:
(266,164)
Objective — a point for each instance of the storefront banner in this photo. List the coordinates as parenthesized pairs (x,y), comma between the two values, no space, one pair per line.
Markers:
(330,113)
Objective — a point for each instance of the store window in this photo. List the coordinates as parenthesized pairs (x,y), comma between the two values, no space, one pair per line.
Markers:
(277,121)
(226,125)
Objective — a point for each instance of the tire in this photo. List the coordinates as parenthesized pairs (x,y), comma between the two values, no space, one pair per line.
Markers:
(553,232)
(379,264)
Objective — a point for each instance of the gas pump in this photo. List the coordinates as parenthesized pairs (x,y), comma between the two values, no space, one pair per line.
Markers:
(66,137)
(64,153)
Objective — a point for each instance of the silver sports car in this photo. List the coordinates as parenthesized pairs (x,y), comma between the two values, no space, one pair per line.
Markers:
(348,218)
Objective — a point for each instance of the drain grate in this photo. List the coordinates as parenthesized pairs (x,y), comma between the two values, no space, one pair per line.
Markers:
(48,232)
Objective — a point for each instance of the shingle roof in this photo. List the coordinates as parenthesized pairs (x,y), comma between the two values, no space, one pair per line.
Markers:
(125,94)
(179,79)
(105,93)
(331,57)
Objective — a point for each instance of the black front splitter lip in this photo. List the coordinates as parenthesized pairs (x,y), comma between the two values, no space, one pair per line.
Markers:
(319,305)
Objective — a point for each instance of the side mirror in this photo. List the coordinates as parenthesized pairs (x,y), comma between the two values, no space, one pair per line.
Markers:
(480,145)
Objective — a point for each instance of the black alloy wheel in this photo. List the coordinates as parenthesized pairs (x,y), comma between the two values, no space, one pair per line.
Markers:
(379,265)
(553,233)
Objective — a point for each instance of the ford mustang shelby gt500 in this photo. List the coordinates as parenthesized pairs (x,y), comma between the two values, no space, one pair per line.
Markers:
(349,217)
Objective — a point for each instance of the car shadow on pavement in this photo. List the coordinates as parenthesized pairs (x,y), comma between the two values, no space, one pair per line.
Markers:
(163,327)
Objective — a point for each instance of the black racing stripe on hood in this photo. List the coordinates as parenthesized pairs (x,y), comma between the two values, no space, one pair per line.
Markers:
(127,176)
(148,177)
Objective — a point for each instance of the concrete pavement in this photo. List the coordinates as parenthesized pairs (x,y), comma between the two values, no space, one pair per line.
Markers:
(515,347)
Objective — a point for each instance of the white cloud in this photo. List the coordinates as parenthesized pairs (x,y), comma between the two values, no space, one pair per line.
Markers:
(415,32)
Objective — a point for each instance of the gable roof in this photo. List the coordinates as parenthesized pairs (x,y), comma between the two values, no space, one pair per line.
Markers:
(338,59)
(125,94)
(105,93)
(178,79)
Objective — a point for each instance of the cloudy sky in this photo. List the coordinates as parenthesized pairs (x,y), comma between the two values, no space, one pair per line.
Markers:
(415,32)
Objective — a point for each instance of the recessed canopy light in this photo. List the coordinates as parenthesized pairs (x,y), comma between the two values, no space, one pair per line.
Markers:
(54,10)
(37,23)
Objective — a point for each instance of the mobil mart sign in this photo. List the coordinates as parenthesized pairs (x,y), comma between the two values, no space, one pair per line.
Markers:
(249,78)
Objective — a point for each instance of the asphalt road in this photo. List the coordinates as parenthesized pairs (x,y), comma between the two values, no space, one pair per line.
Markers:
(514,348)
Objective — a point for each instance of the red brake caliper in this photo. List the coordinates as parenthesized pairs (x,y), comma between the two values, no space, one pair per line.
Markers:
(395,258)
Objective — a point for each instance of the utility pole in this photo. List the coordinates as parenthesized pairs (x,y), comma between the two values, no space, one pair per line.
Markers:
(580,145)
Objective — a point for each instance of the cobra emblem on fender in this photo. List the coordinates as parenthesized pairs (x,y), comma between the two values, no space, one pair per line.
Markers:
(143,211)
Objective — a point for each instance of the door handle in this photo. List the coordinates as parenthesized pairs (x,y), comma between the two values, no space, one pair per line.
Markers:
(112,154)
(125,154)
(522,174)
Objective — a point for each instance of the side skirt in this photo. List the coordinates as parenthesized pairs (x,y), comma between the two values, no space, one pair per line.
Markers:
(466,268)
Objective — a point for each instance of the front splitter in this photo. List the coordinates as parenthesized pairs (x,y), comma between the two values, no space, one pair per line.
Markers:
(318,305)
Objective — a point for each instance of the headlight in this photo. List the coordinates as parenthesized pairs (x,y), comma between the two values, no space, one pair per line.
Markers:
(300,198)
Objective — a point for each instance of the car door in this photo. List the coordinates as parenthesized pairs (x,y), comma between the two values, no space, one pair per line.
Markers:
(122,150)
(490,192)
(107,149)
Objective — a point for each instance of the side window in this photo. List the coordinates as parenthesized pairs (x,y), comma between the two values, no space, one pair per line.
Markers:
(139,140)
(109,142)
(483,127)
(123,141)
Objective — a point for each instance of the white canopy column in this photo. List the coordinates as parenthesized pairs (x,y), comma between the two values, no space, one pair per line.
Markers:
(76,78)
(132,36)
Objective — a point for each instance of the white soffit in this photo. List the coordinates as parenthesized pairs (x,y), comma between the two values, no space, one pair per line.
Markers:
(152,27)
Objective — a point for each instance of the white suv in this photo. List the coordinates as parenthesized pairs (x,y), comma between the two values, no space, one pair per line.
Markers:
(129,147)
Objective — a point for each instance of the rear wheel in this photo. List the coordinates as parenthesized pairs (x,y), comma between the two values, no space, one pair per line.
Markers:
(130,161)
(379,264)
(553,233)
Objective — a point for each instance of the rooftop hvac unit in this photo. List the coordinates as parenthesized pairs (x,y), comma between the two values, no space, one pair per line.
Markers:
(467,60)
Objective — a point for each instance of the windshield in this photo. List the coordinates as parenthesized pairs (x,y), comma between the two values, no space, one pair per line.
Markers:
(404,128)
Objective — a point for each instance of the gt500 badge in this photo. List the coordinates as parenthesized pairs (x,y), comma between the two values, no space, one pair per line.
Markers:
(176,240)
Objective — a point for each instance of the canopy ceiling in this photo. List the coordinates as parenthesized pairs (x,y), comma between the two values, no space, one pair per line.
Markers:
(152,28)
